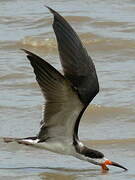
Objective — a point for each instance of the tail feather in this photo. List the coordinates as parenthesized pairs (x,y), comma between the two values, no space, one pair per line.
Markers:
(25,141)
(8,139)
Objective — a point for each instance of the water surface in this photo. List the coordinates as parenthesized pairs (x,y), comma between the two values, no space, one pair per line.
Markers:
(107,29)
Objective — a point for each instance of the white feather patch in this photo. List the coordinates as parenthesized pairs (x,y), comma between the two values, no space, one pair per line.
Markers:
(31,141)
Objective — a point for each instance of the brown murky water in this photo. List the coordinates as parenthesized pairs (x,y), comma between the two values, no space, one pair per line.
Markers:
(107,29)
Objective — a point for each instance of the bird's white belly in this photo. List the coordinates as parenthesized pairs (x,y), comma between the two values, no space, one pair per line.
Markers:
(57,147)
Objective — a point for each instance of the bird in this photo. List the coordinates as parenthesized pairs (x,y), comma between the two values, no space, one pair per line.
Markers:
(66,96)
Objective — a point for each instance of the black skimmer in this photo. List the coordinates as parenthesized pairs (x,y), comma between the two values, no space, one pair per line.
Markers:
(67,96)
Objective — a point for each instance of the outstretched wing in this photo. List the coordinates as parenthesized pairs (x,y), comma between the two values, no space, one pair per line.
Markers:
(77,64)
(62,106)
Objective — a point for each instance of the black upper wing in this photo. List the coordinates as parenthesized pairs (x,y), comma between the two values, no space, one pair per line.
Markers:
(77,65)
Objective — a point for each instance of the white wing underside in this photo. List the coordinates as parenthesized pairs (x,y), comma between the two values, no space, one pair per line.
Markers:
(61,120)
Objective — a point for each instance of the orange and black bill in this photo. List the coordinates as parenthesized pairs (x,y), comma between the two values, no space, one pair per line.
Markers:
(108,162)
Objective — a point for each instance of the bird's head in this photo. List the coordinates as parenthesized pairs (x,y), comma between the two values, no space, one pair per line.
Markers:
(103,162)
(95,157)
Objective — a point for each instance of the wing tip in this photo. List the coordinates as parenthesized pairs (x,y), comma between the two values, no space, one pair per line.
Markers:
(27,52)
(56,15)
(51,10)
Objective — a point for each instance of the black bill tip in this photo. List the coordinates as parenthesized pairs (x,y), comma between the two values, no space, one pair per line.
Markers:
(118,165)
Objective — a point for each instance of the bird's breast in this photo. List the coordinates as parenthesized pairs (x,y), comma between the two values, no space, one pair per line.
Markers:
(57,147)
